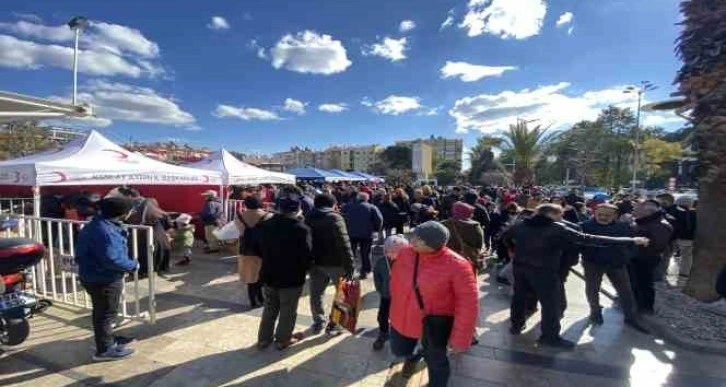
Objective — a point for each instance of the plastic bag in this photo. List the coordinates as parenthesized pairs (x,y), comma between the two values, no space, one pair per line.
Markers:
(227,232)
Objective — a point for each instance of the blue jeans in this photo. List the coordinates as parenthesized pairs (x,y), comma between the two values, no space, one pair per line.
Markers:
(437,362)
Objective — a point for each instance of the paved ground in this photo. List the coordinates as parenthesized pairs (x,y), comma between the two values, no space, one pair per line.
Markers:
(205,337)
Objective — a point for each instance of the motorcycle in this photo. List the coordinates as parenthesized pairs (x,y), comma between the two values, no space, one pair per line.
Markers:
(17,305)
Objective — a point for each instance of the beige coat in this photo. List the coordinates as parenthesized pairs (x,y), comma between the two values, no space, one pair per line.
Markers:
(248,266)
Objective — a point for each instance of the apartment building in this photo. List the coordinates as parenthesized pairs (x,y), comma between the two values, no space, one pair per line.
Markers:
(444,149)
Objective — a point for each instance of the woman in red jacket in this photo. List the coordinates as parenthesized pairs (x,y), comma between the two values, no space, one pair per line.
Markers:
(447,287)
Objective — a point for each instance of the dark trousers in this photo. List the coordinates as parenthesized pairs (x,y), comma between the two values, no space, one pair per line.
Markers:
(618,276)
(254,293)
(547,286)
(384,310)
(437,362)
(365,252)
(564,273)
(642,276)
(282,303)
(105,301)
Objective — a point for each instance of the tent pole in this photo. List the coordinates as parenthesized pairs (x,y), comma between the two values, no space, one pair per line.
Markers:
(36,201)
(225,202)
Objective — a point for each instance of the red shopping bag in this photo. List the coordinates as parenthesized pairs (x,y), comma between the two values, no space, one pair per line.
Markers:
(347,304)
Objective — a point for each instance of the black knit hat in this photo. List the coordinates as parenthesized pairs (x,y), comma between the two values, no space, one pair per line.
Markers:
(114,207)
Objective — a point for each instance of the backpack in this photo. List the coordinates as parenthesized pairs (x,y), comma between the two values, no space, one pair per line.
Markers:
(250,241)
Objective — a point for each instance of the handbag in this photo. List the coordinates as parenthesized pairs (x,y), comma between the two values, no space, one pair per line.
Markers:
(436,328)
(346,304)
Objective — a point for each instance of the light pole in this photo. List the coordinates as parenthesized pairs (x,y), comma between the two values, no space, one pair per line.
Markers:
(76,25)
(640,90)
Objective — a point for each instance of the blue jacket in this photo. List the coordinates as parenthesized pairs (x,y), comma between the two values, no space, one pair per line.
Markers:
(213,213)
(382,276)
(102,253)
(362,219)
(607,255)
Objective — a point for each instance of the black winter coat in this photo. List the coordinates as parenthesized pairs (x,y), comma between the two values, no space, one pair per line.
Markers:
(612,255)
(286,251)
(391,213)
(658,230)
(331,244)
(540,242)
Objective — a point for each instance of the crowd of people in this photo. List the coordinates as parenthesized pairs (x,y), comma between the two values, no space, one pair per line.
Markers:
(434,245)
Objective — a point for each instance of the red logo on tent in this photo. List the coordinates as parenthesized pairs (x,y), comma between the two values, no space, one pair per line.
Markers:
(61,176)
(120,155)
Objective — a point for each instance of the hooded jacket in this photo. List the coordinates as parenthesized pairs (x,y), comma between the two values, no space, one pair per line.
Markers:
(331,244)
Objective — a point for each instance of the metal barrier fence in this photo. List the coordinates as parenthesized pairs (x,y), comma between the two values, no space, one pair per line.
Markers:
(16,206)
(56,275)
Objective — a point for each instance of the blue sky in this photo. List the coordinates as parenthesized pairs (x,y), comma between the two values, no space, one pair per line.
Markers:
(264,75)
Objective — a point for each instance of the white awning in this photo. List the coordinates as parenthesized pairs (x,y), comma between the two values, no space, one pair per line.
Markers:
(18,107)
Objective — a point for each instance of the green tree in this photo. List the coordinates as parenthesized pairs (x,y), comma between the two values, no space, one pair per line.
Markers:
(448,173)
(483,159)
(396,157)
(525,146)
(656,153)
(23,139)
(702,80)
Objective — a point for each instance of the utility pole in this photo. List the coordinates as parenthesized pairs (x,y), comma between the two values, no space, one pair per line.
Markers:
(644,87)
(76,24)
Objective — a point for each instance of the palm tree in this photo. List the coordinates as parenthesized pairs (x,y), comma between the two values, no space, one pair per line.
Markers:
(525,146)
(702,80)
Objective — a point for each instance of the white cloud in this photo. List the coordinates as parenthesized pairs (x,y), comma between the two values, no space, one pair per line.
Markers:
(310,52)
(31,17)
(449,20)
(468,72)
(80,123)
(105,49)
(218,23)
(518,19)
(395,105)
(294,106)
(431,111)
(23,54)
(570,30)
(122,102)
(407,25)
(490,113)
(244,113)
(389,48)
(565,18)
(333,107)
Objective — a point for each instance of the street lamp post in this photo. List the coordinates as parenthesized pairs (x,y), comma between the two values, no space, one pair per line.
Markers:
(640,90)
(76,25)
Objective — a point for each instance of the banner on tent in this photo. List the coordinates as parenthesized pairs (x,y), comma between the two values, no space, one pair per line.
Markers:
(56,276)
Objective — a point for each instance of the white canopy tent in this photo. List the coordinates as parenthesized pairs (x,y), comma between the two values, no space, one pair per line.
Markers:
(96,160)
(18,107)
(236,172)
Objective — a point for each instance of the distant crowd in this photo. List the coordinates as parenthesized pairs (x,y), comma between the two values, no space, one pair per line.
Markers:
(433,244)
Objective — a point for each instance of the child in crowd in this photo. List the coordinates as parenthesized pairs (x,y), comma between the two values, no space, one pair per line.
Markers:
(183,239)
(382,279)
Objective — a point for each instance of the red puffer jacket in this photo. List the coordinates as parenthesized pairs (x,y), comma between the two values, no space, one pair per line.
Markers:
(448,287)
